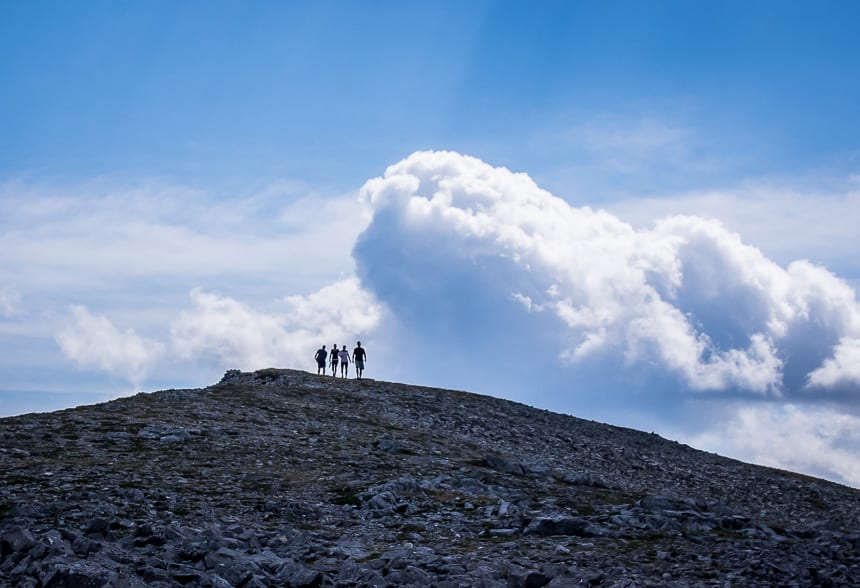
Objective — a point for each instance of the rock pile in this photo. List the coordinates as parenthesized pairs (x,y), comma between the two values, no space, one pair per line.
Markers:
(283,478)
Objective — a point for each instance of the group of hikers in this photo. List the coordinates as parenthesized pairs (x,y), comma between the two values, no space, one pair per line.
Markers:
(343,357)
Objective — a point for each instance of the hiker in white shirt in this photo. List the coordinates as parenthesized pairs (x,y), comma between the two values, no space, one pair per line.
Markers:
(344,362)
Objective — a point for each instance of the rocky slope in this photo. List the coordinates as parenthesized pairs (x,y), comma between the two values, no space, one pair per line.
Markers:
(283,478)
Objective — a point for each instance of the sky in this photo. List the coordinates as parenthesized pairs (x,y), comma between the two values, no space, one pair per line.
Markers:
(638,213)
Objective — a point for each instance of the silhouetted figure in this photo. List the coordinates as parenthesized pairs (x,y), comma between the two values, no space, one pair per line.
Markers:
(334,360)
(359,355)
(344,362)
(321,357)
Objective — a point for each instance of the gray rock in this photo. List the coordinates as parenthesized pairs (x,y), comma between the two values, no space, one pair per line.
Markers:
(407,575)
(175,437)
(298,576)
(81,574)
(99,527)
(503,465)
(560,525)
(84,546)
(16,540)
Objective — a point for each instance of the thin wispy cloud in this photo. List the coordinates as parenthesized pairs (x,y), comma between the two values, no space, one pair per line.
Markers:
(785,220)
(169,231)
(10,302)
(629,148)
(604,157)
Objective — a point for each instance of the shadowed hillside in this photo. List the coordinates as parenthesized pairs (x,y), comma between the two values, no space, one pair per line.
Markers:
(283,478)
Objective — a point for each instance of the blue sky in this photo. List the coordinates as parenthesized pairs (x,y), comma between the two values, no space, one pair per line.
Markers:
(188,188)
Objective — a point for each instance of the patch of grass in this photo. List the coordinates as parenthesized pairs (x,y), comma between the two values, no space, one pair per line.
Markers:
(445,496)
(369,557)
(645,541)
(345,495)
(816,501)
(732,534)
(14,479)
(406,530)
(586,510)
(482,500)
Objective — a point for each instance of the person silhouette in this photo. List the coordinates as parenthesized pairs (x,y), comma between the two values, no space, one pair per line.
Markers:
(344,362)
(334,360)
(359,355)
(320,357)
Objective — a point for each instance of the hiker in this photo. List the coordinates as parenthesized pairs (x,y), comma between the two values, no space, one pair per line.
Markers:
(344,362)
(334,360)
(358,357)
(320,357)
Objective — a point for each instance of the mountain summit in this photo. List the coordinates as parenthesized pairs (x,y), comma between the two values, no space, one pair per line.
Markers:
(283,478)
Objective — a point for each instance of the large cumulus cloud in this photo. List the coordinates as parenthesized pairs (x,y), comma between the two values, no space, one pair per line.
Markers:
(456,244)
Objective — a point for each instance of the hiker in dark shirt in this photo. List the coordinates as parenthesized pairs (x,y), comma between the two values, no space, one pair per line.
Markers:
(320,357)
(334,360)
(358,358)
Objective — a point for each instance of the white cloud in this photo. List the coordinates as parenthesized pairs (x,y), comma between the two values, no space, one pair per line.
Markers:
(233,335)
(481,263)
(819,441)
(786,221)
(843,369)
(228,333)
(92,341)
(687,295)
(132,251)
(66,240)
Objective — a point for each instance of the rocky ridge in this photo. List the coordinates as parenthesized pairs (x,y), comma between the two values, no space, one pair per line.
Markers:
(283,478)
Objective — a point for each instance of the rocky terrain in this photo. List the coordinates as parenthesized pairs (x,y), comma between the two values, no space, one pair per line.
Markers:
(283,478)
